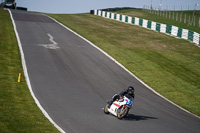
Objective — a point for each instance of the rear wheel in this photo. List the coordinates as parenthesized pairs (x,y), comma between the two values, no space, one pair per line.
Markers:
(106,109)
(121,113)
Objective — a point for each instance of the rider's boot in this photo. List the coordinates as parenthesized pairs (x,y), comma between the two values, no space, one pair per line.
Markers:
(110,103)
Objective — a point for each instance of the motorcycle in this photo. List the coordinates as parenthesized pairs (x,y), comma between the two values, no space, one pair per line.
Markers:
(120,107)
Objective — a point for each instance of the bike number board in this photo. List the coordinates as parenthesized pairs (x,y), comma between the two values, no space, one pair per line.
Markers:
(129,102)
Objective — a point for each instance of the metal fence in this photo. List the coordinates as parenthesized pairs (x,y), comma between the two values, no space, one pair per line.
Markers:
(189,19)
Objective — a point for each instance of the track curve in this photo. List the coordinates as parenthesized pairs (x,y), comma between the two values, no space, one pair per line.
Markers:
(73,80)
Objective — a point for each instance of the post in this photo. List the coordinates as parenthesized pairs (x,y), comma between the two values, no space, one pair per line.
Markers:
(181,17)
(185,19)
(19,78)
(163,12)
(199,21)
(194,12)
(174,14)
(189,20)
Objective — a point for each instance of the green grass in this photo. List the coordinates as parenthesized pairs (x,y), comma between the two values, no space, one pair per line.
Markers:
(168,65)
(160,19)
(18,111)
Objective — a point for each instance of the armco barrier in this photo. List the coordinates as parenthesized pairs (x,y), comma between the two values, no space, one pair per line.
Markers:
(164,28)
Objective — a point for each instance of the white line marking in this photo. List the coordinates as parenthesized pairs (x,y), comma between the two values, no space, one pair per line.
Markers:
(123,67)
(51,39)
(27,77)
(50,46)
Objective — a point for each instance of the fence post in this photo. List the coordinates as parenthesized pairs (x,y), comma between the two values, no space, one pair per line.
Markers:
(185,19)
(163,13)
(189,20)
(177,16)
(199,21)
(180,17)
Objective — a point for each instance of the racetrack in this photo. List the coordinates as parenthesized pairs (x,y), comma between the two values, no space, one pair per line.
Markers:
(73,80)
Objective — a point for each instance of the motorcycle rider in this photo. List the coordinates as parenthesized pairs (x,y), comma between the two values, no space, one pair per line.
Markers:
(130,91)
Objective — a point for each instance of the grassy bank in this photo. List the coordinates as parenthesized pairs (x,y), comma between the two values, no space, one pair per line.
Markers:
(168,65)
(18,111)
(161,18)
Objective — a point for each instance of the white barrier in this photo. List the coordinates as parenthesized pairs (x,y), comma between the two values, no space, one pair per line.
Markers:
(99,13)
(137,21)
(95,12)
(112,15)
(174,31)
(123,18)
(185,34)
(108,14)
(103,15)
(144,24)
(153,25)
(129,20)
(163,28)
(196,37)
(118,17)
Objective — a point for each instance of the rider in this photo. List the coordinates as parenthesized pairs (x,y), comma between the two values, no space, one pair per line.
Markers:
(129,91)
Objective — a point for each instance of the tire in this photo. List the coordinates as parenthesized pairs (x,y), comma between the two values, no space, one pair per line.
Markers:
(122,114)
(106,109)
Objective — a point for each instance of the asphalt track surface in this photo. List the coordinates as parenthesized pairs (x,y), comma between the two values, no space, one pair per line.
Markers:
(73,81)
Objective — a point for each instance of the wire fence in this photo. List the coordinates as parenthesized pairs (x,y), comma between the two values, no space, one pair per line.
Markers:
(192,18)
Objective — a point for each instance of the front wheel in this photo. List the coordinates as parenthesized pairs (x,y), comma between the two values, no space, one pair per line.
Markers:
(106,109)
(121,113)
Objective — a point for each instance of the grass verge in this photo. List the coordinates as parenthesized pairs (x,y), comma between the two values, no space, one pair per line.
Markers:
(18,111)
(168,65)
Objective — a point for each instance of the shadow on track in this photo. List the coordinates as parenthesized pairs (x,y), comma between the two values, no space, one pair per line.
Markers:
(132,117)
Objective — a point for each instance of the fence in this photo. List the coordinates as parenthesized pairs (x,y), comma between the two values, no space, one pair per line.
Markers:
(179,16)
(164,28)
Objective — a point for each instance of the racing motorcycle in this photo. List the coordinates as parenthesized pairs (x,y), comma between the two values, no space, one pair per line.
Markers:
(120,107)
